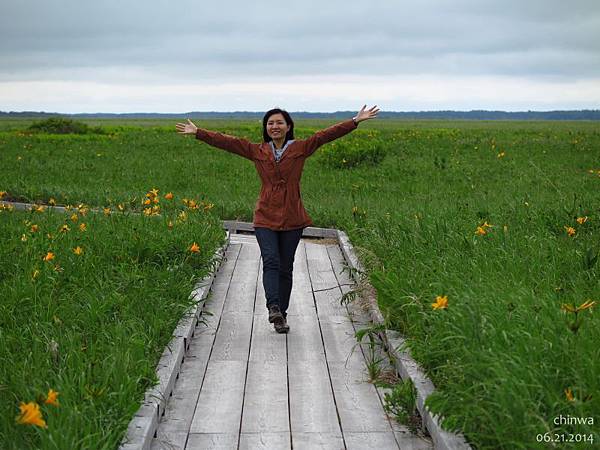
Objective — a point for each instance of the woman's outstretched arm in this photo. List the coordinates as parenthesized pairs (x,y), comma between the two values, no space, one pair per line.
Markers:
(339,130)
(232,144)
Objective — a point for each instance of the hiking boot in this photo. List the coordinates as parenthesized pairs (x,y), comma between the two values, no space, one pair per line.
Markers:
(275,315)
(282,327)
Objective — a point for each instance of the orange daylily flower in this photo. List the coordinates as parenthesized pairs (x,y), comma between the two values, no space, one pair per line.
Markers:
(169,196)
(582,220)
(52,398)
(194,248)
(49,256)
(569,395)
(441,302)
(570,231)
(569,307)
(31,415)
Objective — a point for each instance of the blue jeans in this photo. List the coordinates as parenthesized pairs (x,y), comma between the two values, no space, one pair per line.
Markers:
(277,249)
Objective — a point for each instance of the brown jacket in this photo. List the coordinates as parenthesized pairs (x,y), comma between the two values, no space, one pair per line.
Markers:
(279,206)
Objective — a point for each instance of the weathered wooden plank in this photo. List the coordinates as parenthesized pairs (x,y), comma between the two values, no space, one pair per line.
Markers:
(222,279)
(212,441)
(241,293)
(180,406)
(266,398)
(232,341)
(407,440)
(328,303)
(169,440)
(321,441)
(304,339)
(357,401)
(265,441)
(267,345)
(340,268)
(312,407)
(319,266)
(340,342)
(220,402)
(379,441)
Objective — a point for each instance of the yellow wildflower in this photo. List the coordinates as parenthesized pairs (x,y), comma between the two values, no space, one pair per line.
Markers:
(31,415)
(52,202)
(74,218)
(49,256)
(121,207)
(501,154)
(570,231)
(23,238)
(155,210)
(569,307)
(148,211)
(34,228)
(569,395)
(64,228)
(441,302)
(480,231)
(154,192)
(169,196)
(78,250)
(82,227)
(39,208)
(35,274)
(106,211)
(182,216)
(3,194)
(586,305)
(582,220)
(52,398)
(195,248)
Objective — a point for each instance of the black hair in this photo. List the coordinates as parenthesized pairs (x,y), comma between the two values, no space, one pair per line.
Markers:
(288,120)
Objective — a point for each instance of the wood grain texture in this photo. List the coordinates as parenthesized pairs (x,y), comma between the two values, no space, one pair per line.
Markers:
(266,398)
(265,441)
(312,407)
(219,407)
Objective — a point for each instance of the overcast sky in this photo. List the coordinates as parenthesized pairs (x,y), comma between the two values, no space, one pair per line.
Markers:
(177,56)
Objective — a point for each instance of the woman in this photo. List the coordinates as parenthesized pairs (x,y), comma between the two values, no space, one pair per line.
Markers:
(279,217)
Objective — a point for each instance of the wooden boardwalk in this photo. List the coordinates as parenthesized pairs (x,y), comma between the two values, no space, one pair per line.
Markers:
(244,386)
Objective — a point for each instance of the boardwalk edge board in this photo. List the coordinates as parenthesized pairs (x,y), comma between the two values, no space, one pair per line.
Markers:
(405,365)
(142,428)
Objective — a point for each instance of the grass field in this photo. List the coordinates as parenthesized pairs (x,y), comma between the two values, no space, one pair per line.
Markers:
(499,218)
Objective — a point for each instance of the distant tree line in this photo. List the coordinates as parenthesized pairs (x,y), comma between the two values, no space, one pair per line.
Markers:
(583,114)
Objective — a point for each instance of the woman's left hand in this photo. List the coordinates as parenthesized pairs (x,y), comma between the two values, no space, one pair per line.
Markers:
(366,114)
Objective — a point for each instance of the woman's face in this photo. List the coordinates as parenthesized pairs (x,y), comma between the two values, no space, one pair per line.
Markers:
(277,127)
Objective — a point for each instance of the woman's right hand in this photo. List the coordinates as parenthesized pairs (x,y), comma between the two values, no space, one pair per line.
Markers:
(186,128)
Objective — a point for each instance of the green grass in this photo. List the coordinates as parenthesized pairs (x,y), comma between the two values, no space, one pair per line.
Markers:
(502,354)
(91,326)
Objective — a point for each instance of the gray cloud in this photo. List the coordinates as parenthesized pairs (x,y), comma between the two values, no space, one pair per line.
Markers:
(157,42)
